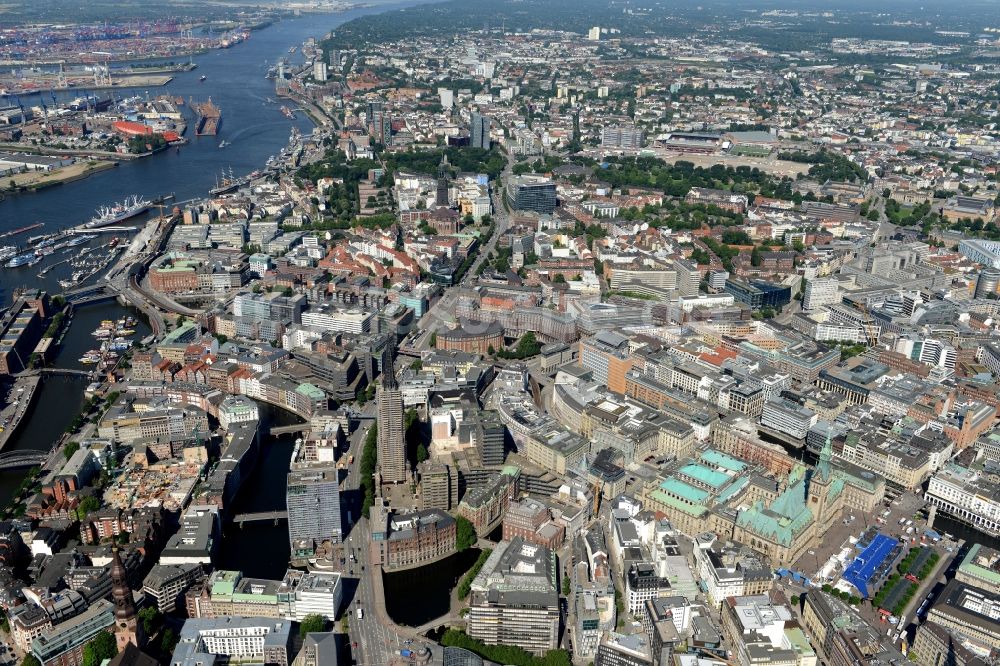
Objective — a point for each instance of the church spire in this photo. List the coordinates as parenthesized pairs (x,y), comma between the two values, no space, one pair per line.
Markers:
(127,629)
(825,456)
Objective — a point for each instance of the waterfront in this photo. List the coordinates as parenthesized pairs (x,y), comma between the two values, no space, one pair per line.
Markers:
(431,584)
(254,128)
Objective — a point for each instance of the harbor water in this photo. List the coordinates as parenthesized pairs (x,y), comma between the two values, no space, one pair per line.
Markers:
(254,129)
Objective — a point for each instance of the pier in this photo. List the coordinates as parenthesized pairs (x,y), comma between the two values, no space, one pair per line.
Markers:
(24,390)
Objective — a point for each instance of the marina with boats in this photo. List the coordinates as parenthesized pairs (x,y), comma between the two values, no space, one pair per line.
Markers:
(115,337)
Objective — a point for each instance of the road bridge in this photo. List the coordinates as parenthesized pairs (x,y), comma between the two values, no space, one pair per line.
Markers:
(290,429)
(22,459)
(260,516)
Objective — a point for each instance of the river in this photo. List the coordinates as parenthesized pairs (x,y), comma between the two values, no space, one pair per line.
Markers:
(254,127)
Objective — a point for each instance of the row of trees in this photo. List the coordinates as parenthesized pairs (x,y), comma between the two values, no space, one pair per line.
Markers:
(503,654)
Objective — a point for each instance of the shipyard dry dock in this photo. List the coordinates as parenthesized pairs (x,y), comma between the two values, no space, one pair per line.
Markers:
(209,118)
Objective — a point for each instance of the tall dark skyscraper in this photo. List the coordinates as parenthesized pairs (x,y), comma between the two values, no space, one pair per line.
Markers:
(479,131)
(391,444)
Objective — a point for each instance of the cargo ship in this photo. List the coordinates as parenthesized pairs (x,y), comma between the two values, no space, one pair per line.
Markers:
(209,118)
(118,212)
(288,113)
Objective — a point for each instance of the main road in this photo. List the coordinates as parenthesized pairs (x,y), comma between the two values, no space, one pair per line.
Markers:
(376,638)
(439,315)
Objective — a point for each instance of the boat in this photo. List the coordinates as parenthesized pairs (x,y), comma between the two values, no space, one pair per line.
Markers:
(228,183)
(288,113)
(7,251)
(21,230)
(20,260)
(118,212)
(80,240)
(35,260)
(203,77)
(223,144)
(126,331)
(293,49)
(91,357)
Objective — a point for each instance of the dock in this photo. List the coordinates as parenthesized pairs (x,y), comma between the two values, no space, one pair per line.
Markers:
(209,118)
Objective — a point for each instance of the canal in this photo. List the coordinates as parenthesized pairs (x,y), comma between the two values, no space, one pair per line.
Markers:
(416,596)
(261,549)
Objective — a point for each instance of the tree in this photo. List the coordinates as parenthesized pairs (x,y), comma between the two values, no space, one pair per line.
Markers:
(565,586)
(422,454)
(434,339)
(102,646)
(151,618)
(168,641)
(559,278)
(288,292)
(70,449)
(311,624)
(465,536)
(30,659)
(88,505)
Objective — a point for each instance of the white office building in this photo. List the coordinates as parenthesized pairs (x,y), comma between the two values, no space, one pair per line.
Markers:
(334,319)
(820,292)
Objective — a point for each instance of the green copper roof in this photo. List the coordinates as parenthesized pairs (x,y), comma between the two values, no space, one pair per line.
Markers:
(720,459)
(671,501)
(973,569)
(684,491)
(310,391)
(739,484)
(709,477)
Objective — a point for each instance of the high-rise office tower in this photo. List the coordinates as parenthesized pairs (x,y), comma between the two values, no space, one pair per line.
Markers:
(373,111)
(320,71)
(313,500)
(391,444)
(480,131)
